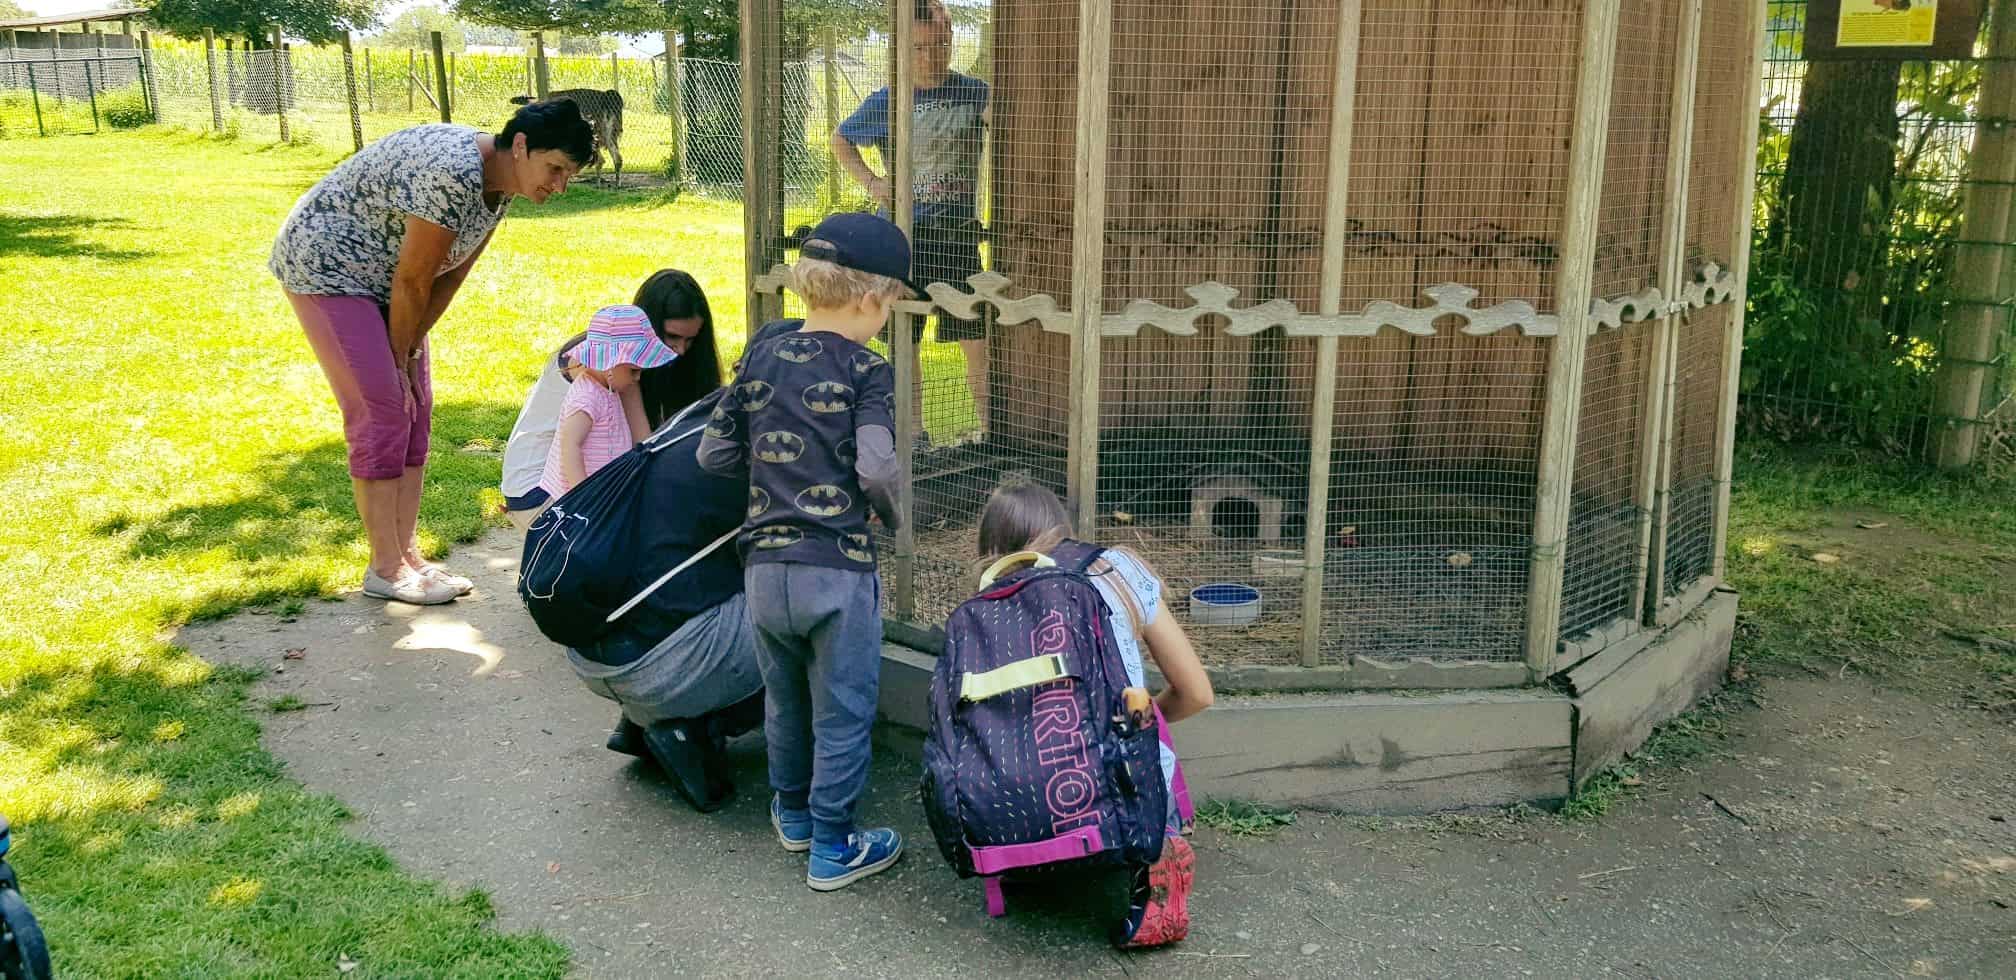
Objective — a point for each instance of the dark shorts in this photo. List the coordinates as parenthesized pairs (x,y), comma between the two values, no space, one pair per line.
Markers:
(947,252)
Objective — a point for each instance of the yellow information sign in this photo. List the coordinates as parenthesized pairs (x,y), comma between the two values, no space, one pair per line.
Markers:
(1886,23)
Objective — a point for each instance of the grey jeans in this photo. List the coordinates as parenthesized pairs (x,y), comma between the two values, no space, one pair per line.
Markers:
(707,664)
(819,641)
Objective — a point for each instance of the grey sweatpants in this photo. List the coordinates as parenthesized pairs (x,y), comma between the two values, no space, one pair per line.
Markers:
(707,664)
(819,643)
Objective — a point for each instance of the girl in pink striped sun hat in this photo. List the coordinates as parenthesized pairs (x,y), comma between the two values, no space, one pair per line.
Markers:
(603,415)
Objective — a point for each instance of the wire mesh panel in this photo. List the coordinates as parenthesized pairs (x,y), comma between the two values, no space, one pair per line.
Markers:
(1601,566)
(1691,506)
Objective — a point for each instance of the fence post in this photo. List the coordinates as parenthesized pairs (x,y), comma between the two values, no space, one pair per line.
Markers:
(542,75)
(1978,268)
(370,83)
(279,102)
(1575,279)
(150,84)
(1088,242)
(210,75)
(412,66)
(832,122)
(441,76)
(350,92)
(615,75)
(231,71)
(91,92)
(35,93)
(673,96)
(450,87)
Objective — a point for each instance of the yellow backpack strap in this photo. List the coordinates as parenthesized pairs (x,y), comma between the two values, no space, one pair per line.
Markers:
(1012,677)
(1008,563)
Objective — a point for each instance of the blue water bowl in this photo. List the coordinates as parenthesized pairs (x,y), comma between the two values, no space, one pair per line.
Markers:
(1224,604)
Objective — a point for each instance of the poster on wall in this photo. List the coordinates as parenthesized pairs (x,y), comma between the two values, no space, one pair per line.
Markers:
(1891,30)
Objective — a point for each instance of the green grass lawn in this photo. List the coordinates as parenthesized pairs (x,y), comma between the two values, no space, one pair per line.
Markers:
(171,452)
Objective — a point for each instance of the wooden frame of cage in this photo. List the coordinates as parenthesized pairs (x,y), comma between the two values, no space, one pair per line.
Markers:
(1660,308)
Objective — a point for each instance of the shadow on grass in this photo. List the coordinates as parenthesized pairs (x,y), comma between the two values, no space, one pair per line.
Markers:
(56,236)
(300,509)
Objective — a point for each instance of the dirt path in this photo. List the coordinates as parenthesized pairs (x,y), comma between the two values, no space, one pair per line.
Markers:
(1842,831)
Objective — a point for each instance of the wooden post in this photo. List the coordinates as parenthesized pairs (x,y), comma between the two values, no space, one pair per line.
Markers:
(530,92)
(279,102)
(673,94)
(449,89)
(1655,446)
(542,74)
(210,71)
(1739,257)
(1088,254)
(441,76)
(1967,356)
(1323,410)
(350,92)
(150,83)
(615,74)
(370,82)
(412,76)
(753,248)
(1572,287)
(903,344)
(832,48)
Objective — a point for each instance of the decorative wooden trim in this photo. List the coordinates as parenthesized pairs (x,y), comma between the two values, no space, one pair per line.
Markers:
(1323,407)
(1088,251)
(1573,284)
(1732,344)
(1710,285)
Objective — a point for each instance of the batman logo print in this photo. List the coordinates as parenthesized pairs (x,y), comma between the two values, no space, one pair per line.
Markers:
(754,395)
(824,500)
(855,546)
(779,447)
(771,537)
(720,425)
(864,361)
(829,397)
(799,348)
(759,501)
(845,452)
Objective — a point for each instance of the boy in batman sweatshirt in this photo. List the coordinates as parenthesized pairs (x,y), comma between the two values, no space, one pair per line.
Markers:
(809,420)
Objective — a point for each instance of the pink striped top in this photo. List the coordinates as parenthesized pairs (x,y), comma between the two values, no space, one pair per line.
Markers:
(608,432)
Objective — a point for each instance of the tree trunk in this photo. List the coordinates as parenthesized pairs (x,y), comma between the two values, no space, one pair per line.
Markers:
(1834,217)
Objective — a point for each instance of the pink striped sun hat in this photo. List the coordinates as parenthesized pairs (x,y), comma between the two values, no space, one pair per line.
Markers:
(622,335)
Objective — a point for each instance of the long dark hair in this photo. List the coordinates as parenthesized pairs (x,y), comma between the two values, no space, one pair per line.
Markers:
(671,294)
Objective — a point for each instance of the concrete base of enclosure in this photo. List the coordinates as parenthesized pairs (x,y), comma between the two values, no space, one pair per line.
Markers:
(1417,751)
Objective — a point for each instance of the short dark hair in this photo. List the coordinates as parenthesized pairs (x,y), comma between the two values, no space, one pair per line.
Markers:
(555,124)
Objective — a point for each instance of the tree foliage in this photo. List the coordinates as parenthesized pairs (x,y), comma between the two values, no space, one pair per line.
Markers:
(414,29)
(9,10)
(314,21)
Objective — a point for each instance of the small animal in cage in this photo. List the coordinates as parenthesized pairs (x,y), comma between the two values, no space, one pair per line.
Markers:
(603,109)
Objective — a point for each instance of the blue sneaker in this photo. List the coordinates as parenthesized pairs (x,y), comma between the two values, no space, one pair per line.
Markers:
(794,827)
(867,852)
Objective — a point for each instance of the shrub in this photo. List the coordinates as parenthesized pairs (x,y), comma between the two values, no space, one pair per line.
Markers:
(125,108)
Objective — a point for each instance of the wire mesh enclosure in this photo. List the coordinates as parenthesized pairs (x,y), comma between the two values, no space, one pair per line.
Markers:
(1418,319)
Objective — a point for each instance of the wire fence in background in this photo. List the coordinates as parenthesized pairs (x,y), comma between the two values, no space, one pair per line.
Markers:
(1860,319)
(686,132)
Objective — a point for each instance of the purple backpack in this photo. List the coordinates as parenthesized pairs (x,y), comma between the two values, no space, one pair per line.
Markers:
(1033,760)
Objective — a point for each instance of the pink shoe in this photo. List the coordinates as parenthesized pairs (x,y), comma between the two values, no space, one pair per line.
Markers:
(1160,912)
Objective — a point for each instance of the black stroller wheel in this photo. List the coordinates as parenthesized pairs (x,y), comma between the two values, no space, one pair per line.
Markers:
(24,955)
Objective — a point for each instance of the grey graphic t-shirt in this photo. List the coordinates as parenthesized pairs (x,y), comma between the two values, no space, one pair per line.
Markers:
(343,236)
(797,419)
(946,130)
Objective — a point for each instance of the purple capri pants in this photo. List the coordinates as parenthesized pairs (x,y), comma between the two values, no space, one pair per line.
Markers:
(353,344)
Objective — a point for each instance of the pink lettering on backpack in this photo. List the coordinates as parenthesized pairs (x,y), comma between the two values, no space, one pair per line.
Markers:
(1070,791)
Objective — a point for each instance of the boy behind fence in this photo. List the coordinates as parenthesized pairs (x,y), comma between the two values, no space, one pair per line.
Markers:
(809,421)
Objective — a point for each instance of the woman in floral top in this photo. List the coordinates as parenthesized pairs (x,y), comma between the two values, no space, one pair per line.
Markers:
(370,258)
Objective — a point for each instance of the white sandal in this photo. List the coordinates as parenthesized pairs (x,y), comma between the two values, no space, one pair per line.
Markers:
(417,590)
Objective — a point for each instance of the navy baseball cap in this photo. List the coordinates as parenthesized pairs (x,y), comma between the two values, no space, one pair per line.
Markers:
(865,243)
